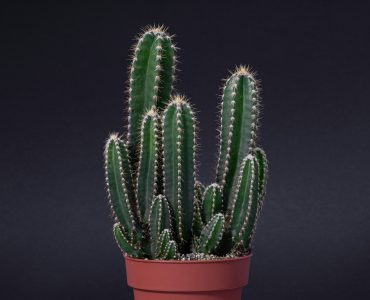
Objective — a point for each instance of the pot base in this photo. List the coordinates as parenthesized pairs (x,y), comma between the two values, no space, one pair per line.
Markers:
(216,295)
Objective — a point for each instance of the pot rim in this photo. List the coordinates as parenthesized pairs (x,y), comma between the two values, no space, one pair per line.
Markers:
(174,261)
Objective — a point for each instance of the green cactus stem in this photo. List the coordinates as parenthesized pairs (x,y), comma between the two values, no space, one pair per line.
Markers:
(124,243)
(198,200)
(159,219)
(212,202)
(117,186)
(239,117)
(262,174)
(244,206)
(179,166)
(151,78)
(211,234)
(148,163)
(262,165)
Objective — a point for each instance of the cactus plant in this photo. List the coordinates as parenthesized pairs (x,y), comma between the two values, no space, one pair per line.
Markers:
(161,210)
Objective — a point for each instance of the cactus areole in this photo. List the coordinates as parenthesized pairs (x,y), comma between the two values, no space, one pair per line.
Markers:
(167,223)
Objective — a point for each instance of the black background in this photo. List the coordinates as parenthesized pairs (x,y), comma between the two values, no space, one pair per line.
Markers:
(63,72)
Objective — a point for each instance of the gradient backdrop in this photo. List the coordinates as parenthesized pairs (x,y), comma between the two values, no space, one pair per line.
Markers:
(63,72)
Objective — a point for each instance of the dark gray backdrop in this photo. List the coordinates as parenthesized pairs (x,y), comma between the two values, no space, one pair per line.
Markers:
(63,73)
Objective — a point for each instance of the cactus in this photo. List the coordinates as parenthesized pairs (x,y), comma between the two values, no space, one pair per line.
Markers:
(161,210)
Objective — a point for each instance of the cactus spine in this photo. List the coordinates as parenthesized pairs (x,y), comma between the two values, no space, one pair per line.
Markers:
(179,166)
(161,211)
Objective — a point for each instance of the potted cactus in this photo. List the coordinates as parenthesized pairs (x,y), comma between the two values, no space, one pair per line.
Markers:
(182,240)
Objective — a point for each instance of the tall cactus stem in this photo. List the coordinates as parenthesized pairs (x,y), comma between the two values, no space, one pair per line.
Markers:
(239,118)
(151,78)
(178,135)
(146,184)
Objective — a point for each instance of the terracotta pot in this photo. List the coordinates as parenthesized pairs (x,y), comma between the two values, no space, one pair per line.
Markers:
(188,280)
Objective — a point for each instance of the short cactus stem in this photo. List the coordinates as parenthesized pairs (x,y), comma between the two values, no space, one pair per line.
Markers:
(162,242)
(212,202)
(239,117)
(262,174)
(179,166)
(211,234)
(127,246)
(151,78)
(198,202)
(159,219)
(117,186)
(245,202)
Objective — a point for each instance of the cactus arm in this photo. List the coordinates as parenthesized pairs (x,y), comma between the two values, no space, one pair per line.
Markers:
(211,234)
(262,174)
(124,243)
(116,185)
(151,78)
(198,200)
(179,166)
(148,163)
(245,202)
(159,219)
(238,128)
(128,176)
(262,164)
(212,202)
